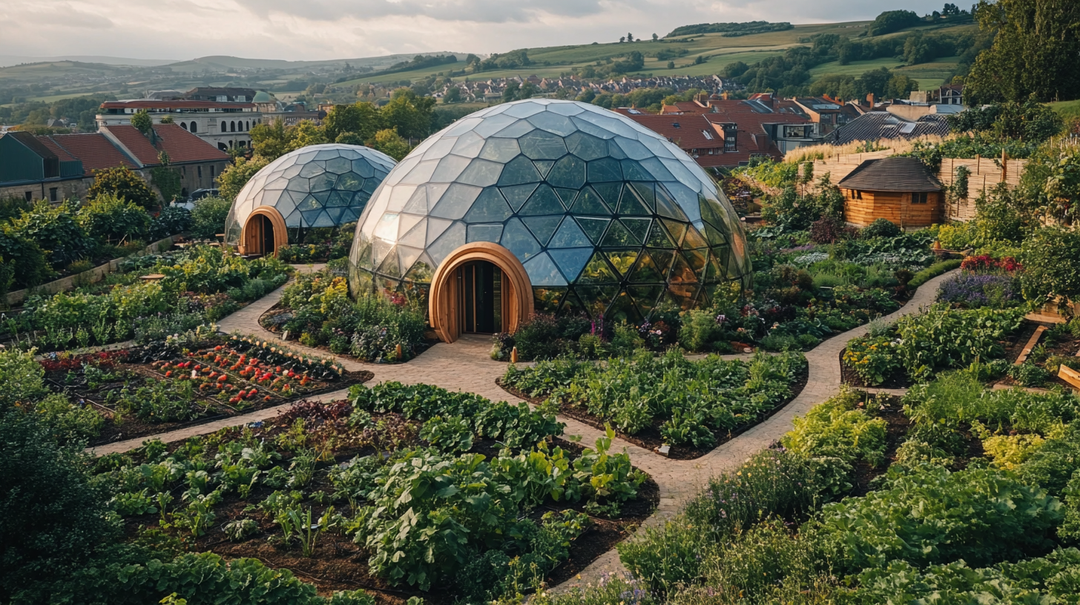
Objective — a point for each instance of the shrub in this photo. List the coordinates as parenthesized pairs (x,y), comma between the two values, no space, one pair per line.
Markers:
(874,359)
(880,228)
(1052,263)
(114,219)
(931,272)
(838,428)
(973,290)
(23,262)
(208,216)
(172,220)
(699,331)
(548,336)
(56,231)
(121,182)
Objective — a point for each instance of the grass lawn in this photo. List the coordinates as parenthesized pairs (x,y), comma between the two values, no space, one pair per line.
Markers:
(1067,109)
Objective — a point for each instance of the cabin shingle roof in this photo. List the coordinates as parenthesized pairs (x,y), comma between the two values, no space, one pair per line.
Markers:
(891,174)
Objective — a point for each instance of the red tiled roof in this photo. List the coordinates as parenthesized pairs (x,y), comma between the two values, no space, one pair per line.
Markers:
(181,145)
(689,135)
(58,150)
(168,105)
(94,151)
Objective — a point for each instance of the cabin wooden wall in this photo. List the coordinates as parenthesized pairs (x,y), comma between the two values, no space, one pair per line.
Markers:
(896,207)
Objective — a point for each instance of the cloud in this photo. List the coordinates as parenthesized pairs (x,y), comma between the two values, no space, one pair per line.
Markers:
(327,29)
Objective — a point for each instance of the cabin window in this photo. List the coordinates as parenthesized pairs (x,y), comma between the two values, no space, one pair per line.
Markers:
(918,198)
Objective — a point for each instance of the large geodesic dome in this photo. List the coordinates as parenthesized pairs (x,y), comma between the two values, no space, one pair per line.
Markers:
(603,215)
(312,187)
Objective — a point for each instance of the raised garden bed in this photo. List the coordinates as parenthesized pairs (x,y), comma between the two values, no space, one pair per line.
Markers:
(160,387)
(734,402)
(275,317)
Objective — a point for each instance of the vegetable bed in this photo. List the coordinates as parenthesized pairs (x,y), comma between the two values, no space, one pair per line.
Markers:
(692,406)
(402,491)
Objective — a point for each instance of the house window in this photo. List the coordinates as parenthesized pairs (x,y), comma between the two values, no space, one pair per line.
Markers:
(223,129)
(858,195)
(918,198)
(200,172)
(194,128)
(211,172)
(29,196)
(52,194)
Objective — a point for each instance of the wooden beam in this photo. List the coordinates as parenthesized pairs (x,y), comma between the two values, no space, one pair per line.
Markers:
(1069,375)
(1034,340)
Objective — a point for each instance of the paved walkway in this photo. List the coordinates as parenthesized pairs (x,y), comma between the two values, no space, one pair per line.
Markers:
(466,366)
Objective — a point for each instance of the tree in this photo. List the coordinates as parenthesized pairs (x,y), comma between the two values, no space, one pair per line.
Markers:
(622,39)
(900,86)
(453,95)
(122,182)
(233,178)
(1028,121)
(142,122)
(1035,51)
(1051,258)
(114,219)
(270,140)
(510,92)
(671,65)
(891,21)
(389,142)
(54,520)
(655,37)
(409,114)
(167,120)
(629,37)
(362,118)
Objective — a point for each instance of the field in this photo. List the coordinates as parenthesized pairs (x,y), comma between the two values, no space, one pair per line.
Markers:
(929,75)
(1068,109)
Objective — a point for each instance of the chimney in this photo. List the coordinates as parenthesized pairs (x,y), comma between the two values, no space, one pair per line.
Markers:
(870,99)
(724,95)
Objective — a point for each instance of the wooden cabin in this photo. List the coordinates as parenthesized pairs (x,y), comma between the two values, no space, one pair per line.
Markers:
(899,189)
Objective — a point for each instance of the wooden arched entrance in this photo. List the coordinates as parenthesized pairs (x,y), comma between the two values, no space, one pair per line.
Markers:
(464,291)
(264,232)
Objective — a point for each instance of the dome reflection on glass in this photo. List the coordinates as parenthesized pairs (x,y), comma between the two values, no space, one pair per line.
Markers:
(606,216)
(315,186)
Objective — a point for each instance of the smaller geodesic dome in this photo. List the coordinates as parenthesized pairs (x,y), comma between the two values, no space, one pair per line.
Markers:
(320,186)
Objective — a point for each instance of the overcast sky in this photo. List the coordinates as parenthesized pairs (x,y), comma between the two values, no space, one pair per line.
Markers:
(328,29)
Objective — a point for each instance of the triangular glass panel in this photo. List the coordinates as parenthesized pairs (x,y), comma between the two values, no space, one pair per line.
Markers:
(667,206)
(683,295)
(542,227)
(623,309)
(645,297)
(422,270)
(543,272)
(619,236)
(658,237)
(406,222)
(646,193)
(697,259)
(518,195)
(568,173)
(571,260)
(518,240)
(451,239)
(715,237)
(694,239)
(589,202)
(519,171)
(593,227)
(543,166)
(681,271)
(597,298)
(609,192)
(567,196)
(363,257)
(436,227)
(677,231)
(604,170)
(542,201)
(547,300)
(390,265)
(406,257)
(638,226)
(663,259)
(572,305)
(490,207)
(713,273)
(634,171)
(623,260)
(647,272)
(631,204)
(490,232)
(569,235)
(597,271)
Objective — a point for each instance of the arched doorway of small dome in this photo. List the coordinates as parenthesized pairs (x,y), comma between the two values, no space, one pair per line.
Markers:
(264,232)
(480,287)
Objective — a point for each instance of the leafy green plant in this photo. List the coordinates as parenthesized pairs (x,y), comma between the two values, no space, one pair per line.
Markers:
(839,428)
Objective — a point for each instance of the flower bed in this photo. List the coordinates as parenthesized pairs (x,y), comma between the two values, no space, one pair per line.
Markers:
(158,387)
(690,405)
(429,500)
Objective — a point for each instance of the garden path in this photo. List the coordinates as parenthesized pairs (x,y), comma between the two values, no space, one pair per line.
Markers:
(467,366)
